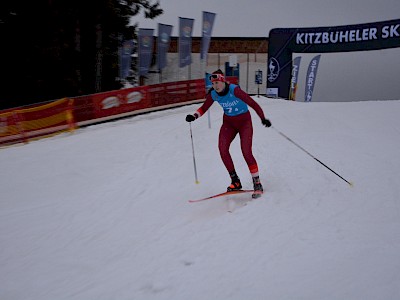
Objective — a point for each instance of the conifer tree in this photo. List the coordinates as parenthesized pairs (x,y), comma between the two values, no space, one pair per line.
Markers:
(59,48)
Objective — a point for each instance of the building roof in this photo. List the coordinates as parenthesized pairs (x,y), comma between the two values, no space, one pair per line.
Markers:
(225,45)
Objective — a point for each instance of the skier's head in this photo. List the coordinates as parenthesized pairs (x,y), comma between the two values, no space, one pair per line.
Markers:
(217,79)
(217,76)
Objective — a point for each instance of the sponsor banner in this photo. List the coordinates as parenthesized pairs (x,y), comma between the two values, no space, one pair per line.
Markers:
(137,98)
(349,34)
(163,41)
(185,41)
(295,76)
(145,45)
(118,102)
(125,58)
(310,78)
(208,23)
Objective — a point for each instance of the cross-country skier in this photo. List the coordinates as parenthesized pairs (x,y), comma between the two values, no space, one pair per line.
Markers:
(236,119)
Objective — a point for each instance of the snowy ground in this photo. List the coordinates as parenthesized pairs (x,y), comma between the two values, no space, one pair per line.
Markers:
(103,213)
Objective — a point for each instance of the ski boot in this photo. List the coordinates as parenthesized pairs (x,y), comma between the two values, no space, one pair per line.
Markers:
(258,189)
(235,185)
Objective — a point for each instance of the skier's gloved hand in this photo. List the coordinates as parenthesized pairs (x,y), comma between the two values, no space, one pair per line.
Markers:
(190,118)
(266,122)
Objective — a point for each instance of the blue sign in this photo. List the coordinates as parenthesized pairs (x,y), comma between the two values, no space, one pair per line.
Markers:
(231,71)
(258,79)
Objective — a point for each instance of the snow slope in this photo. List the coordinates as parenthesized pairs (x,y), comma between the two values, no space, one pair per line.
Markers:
(103,213)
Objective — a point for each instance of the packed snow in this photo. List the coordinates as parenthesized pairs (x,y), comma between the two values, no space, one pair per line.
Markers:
(103,213)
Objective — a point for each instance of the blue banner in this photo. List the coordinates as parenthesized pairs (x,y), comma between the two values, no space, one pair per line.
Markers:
(208,23)
(125,58)
(207,81)
(145,44)
(295,77)
(185,41)
(164,38)
(310,78)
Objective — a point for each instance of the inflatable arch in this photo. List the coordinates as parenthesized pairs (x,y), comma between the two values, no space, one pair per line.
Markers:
(285,41)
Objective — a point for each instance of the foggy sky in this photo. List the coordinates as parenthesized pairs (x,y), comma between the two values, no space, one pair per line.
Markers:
(346,76)
(255,18)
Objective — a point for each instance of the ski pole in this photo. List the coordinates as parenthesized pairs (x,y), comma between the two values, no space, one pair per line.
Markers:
(194,159)
(297,145)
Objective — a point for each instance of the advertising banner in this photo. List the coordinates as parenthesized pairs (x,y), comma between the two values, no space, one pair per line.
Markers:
(208,23)
(310,78)
(164,38)
(283,42)
(185,41)
(295,77)
(118,102)
(145,44)
(125,58)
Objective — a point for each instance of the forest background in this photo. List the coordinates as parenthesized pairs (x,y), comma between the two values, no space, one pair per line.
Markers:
(56,49)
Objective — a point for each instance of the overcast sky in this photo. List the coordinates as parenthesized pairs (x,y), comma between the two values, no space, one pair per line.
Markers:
(255,18)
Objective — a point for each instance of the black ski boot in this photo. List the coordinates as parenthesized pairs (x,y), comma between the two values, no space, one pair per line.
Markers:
(235,185)
(258,189)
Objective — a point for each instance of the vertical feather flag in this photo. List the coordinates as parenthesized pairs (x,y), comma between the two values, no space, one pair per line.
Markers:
(310,78)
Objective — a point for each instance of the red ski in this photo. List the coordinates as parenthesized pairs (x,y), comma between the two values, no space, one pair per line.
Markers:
(222,194)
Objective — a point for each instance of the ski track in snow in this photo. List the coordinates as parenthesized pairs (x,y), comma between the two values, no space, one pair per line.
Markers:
(103,213)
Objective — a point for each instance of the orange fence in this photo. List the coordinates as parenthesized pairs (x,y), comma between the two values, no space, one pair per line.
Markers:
(23,124)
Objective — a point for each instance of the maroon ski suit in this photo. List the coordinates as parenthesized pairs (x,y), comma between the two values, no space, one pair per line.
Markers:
(234,124)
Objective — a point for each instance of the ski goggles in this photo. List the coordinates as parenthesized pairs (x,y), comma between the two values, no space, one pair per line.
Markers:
(217,77)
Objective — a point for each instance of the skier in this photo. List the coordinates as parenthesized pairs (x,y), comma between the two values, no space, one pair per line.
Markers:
(236,119)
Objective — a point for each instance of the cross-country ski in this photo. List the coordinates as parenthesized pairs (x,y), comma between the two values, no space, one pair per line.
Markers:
(221,195)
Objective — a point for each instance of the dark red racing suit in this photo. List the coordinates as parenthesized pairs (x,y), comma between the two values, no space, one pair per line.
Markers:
(236,120)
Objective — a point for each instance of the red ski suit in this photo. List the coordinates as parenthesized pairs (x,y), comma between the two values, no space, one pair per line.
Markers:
(234,124)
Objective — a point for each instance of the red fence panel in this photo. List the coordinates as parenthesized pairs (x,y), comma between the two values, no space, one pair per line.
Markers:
(93,108)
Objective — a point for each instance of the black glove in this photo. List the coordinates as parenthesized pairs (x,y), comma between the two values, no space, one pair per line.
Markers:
(190,118)
(266,122)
